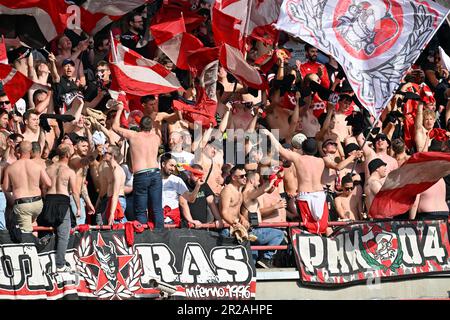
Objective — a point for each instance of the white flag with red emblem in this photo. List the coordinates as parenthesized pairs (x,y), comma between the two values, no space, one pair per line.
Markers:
(97,14)
(137,75)
(172,39)
(51,16)
(375,41)
(401,187)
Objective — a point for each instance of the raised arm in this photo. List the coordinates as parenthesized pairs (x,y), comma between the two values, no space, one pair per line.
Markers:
(125,133)
(287,154)
(53,69)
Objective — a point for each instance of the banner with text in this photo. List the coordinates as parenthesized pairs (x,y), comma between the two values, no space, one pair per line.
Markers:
(182,263)
(372,250)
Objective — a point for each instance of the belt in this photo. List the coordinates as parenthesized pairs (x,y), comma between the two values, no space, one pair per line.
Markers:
(27,200)
(150,170)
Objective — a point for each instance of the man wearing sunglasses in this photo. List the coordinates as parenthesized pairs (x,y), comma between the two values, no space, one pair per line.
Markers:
(5,103)
(348,203)
(381,144)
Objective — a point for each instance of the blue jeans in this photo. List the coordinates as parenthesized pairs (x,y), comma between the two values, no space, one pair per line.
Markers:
(269,237)
(2,211)
(147,191)
(81,219)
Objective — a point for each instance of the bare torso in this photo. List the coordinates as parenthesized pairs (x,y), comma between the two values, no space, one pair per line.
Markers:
(144,150)
(309,173)
(24,176)
(433,199)
(60,174)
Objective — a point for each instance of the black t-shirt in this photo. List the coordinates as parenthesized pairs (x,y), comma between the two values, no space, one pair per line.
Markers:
(65,90)
(199,209)
(130,40)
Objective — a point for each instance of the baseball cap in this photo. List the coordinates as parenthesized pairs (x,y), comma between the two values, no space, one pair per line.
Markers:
(375,164)
(297,140)
(68,61)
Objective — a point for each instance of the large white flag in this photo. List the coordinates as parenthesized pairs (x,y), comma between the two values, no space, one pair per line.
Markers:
(375,41)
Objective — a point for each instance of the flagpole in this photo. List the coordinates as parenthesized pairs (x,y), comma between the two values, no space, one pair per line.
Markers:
(365,139)
(113,47)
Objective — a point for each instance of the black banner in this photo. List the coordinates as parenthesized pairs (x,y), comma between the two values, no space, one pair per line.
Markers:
(181,263)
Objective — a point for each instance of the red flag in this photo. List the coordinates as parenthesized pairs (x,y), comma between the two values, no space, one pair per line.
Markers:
(170,12)
(200,58)
(14,83)
(3,53)
(225,30)
(416,175)
(51,16)
(171,37)
(137,75)
(262,15)
(233,61)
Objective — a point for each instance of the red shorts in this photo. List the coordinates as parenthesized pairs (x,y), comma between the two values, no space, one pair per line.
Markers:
(313,226)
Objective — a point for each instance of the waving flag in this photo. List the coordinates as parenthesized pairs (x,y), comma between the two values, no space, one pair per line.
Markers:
(171,37)
(375,41)
(416,175)
(263,14)
(234,62)
(3,52)
(137,75)
(171,11)
(51,16)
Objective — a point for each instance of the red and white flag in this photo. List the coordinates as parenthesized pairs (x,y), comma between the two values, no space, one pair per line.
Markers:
(375,41)
(171,37)
(263,14)
(229,22)
(14,83)
(3,52)
(416,175)
(171,11)
(97,14)
(51,16)
(234,62)
(137,75)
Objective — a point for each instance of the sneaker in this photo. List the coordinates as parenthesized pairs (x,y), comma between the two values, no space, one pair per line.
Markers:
(64,269)
(265,263)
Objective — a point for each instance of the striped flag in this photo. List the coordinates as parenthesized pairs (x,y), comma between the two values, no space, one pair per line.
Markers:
(402,185)
(171,37)
(137,75)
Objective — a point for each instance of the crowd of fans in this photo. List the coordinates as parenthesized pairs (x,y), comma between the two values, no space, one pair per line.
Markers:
(67,158)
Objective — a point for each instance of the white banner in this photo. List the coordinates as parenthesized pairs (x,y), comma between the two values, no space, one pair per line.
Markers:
(375,41)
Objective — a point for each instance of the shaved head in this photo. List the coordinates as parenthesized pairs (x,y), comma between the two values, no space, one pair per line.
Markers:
(25,147)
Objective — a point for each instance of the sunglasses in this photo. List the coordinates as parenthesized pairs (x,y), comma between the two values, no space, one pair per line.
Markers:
(4,102)
(349,188)
(240,176)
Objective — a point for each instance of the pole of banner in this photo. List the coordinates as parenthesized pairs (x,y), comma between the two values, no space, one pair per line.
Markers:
(113,47)
(366,137)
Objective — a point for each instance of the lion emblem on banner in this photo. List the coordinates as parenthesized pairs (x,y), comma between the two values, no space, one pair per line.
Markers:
(110,269)
(368,25)
(381,248)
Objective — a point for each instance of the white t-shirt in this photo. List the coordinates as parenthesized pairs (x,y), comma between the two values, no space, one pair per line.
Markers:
(183,157)
(172,188)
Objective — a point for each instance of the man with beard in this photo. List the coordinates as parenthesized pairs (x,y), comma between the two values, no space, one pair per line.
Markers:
(175,193)
(131,38)
(312,66)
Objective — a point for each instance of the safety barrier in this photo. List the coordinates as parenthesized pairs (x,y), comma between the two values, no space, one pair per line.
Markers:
(208,226)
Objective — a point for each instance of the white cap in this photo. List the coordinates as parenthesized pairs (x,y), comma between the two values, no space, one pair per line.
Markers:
(297,140)
(98,137)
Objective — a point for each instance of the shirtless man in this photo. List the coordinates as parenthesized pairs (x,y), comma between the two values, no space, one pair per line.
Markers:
(378,172)
(398,148)
(116,183)
(57,203)
(36,155)
(424,124)
(65,52)
(311,199)
(348,204)
(431,203)
(341,129)
(231,200)
(251,207)
(80,162)
(381,143)
(32,130)
(23,178)
(147,183)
